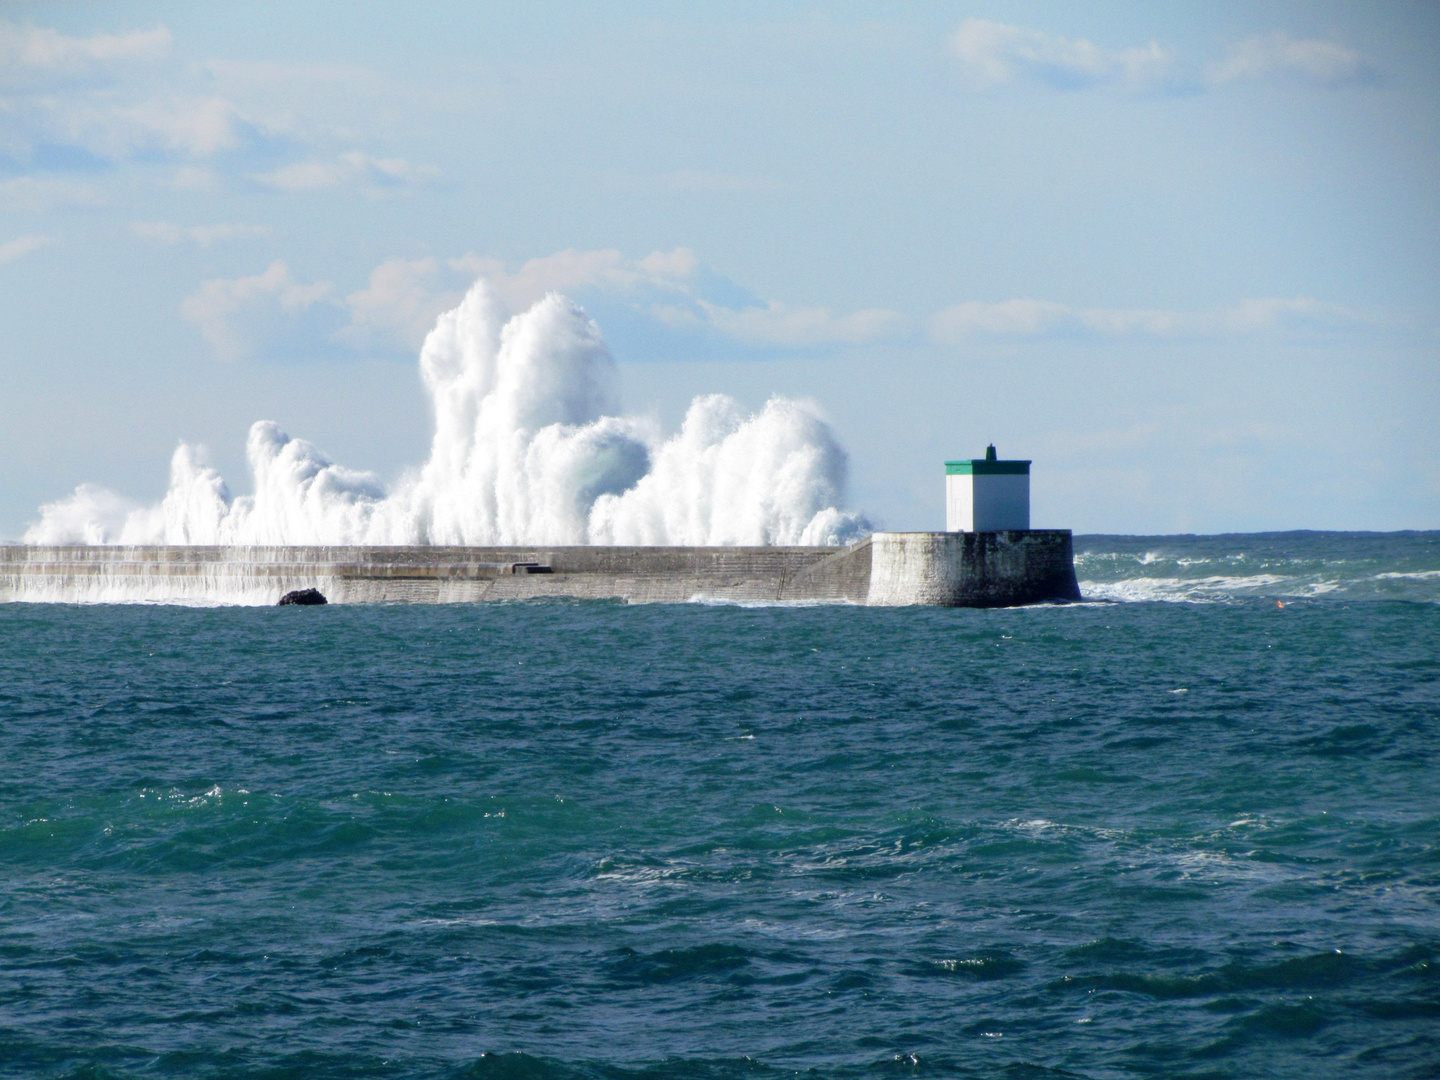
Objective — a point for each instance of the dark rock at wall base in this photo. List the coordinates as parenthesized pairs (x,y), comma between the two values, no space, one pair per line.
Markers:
(303,596)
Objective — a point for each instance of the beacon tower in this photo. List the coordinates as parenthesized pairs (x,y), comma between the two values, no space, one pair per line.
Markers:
(987,494)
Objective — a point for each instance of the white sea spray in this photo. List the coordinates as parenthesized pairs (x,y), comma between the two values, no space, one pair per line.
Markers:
(529,448)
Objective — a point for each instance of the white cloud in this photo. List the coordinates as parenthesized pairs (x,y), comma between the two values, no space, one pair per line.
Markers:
(192,126)
(667,286)
(107,95)
(314,103)
(402,299)
(1306,60)
(993,54)
(404,296)
(670,265)
(1007,318)
(30,54)
(195,178)
(117,97)
(46,193)
(604,270)
(1037,318)
(305,176)
(113,129)
(24,245)
(777,324)
(349,168)
(166,232)
(400,305)
(235,315)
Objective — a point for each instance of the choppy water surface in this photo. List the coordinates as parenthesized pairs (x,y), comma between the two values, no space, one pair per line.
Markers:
(562,839)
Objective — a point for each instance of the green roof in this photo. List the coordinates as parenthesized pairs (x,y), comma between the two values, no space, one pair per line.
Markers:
(983,467)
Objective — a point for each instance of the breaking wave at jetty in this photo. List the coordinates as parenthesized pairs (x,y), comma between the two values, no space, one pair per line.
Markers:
(528,449)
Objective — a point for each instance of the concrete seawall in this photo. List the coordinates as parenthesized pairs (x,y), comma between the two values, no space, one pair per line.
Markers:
(946,569)
(980,569)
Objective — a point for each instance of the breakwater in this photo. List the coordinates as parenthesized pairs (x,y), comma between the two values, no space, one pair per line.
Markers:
(996,569)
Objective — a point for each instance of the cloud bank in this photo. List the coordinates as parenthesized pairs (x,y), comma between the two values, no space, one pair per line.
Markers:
(105,95)
(37,54)
(278,314)
(88,101)
(170,234)
(395,310)
(1039,318)
(22,246)
(238,315)
(1279,56)
(349,169)
(993,54)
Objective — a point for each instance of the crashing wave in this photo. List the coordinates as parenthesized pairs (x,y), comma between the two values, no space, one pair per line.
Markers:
(528,449)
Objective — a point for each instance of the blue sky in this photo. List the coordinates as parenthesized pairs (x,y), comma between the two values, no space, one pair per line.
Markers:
(1182,256)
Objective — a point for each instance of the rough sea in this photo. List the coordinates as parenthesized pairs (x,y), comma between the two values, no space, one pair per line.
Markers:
(1189,829)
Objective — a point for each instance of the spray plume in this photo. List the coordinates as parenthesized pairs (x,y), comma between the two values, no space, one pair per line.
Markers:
(528,449)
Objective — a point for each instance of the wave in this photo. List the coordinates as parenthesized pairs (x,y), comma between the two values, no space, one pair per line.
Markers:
(528,449)
(1284,567)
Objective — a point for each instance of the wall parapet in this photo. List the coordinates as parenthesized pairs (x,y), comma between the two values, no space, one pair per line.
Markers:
(949,569)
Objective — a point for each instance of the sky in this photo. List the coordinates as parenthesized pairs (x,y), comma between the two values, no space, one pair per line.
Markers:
(1185,257)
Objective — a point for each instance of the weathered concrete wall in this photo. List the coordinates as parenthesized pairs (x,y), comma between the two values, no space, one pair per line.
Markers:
(890,568)
(988,569)
(261,575)
(841,576)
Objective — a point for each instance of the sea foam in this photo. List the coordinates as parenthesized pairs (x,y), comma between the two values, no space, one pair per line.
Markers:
(529,448)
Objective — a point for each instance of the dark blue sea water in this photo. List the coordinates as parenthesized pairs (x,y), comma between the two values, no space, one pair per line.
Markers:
(1193,833)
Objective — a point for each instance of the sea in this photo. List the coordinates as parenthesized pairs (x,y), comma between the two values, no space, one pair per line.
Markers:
(1188,828)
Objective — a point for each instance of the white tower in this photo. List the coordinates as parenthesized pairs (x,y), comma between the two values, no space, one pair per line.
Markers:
(987,494)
